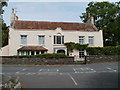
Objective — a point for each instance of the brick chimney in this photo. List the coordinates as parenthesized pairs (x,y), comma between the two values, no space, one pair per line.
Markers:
(12,19)
(92,20)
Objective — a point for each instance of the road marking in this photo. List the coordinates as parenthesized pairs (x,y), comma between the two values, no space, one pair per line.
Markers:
(57,70)
(92,70)
(73,79)
(40,70)
(81,70)
(21,70)
(30,74)
(111,69)
(74,70)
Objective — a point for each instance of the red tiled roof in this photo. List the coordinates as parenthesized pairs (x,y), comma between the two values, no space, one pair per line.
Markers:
(32,48)
(53,25)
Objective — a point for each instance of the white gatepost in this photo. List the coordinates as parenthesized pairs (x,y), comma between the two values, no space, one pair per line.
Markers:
(34,52)
(65,51)
(39,52)
(19,53)
(85,53)
(25,53)
(29,52)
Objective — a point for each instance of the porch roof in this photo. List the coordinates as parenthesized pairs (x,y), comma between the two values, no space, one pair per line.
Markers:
(32,48)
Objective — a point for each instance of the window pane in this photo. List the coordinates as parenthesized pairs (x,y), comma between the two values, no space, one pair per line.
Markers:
(37,52)
(27,52)
(91,38)
(22,52)
(42,52)
(54,39)
(81,54)
(41,40)
(81,39)
(32,52)
(62,39)
(58,39)
(23,39)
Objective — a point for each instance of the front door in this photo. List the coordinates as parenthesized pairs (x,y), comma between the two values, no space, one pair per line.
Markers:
(61,51)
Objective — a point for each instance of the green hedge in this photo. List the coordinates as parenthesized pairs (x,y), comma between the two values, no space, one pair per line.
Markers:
(109,50)
(48,55)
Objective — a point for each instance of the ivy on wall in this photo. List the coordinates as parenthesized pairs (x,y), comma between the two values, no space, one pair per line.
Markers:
(72,45)
(108,50)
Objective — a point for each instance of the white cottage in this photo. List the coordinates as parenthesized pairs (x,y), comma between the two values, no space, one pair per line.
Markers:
(38,37)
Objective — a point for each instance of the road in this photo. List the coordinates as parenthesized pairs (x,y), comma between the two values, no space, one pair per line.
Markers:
(103,75)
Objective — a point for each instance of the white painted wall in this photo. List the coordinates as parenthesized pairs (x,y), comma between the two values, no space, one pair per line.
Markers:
(4,51)
(32,38)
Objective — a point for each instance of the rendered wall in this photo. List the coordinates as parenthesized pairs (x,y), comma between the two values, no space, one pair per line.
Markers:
(32,38)
(4,51)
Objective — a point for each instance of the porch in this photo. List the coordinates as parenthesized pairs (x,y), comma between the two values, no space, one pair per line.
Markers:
(32,50)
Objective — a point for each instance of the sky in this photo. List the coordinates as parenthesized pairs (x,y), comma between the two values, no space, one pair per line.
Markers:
(54,10)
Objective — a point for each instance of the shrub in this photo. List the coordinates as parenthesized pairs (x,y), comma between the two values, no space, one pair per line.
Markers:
(109,50)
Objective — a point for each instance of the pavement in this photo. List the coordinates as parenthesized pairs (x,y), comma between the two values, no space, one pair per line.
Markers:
(104,75)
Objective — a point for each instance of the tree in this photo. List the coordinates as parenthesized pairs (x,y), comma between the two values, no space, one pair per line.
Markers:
(2,4)
(107,18)
(4,28)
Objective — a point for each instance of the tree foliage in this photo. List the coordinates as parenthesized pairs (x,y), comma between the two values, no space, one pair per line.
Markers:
(3,27)
(108,50)
(5,37)
(2,4)
(107,18)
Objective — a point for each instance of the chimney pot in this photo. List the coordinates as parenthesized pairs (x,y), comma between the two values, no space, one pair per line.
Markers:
(16,17)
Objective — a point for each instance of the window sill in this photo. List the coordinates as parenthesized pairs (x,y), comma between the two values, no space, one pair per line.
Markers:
(23,45)
(58,44)
(42,45)
(91,45)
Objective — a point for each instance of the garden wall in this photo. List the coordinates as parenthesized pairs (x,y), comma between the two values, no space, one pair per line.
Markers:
(102,58)
(11,60)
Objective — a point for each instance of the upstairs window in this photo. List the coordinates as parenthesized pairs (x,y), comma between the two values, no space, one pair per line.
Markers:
(41,40)
(91,40)
(23,39)
(58,39)
(81,39)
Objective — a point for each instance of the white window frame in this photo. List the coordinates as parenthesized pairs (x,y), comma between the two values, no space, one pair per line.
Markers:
(41,42)
(61,37)
(81,39)
(23,40)
(91,40)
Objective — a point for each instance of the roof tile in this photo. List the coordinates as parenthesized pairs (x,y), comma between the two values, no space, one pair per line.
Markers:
(32,48)
(53,25)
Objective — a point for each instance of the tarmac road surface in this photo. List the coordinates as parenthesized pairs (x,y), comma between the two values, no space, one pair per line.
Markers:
(103,75)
